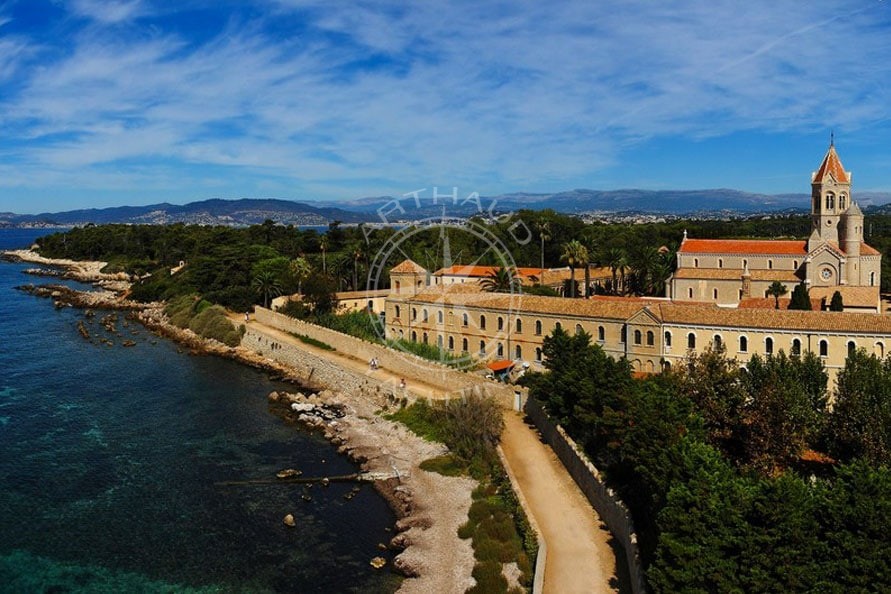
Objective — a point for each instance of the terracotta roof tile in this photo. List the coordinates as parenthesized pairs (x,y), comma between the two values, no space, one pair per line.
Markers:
(805,321)
(851,296)
(408,266)
(831,165)
(744,246)
(736,274)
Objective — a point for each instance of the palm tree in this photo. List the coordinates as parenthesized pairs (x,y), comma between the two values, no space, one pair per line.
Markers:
(645,262)
(300,270)
(501,280)
(615,259)
(544,233)
(357,255)
(574,254)
(324,243)
(776,290)
(266,283)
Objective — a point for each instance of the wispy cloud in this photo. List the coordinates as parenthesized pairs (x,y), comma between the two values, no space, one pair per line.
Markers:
(383,96)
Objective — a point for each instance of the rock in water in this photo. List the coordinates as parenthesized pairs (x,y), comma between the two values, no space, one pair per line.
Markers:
(273,396)
(289,521)
(378,562)
(288,473)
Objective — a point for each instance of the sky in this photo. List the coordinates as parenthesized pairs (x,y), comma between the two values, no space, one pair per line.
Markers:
(132,102)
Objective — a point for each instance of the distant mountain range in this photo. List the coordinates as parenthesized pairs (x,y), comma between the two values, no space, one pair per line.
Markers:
(243,212)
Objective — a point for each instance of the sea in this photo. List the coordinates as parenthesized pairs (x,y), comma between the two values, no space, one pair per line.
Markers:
(112,459)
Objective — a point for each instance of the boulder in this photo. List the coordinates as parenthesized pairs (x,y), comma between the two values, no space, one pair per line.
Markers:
(289,521)
(273,396)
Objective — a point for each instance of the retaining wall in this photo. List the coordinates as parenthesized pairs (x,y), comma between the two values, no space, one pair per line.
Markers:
(604,500)
(397,362)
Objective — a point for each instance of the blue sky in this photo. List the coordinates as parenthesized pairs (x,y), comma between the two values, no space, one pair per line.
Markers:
(113,102)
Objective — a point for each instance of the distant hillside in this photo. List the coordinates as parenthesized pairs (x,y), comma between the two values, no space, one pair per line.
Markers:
(253,211)
(208,212)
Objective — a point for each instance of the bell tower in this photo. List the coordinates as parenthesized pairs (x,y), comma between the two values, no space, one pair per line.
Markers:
(830,195)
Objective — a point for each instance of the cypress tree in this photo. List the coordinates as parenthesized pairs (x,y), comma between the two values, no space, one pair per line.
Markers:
(836,304)
(800,299)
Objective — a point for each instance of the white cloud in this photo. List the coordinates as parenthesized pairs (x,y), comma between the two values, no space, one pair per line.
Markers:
(109,11)
(504,95)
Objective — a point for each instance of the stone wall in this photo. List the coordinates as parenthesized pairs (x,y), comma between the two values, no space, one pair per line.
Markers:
(604,500)
(312,369)
(400,363)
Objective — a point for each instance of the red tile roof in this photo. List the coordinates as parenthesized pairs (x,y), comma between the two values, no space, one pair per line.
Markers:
(745,246)
(470,270)
(831,165)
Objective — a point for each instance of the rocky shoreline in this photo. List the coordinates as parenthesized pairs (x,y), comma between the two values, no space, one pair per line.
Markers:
(430,507)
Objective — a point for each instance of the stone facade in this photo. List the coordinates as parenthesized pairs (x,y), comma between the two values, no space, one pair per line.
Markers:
(834,257)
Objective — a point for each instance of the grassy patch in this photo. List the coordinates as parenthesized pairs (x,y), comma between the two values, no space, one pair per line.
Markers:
(446,465)
(312,341)
(419,417)
(428,351)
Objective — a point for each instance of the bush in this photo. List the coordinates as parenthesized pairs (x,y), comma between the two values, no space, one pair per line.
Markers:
(312,341)
(446,465)
(427,351)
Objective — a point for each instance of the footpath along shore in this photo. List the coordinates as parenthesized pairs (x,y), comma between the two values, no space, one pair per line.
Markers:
(430,506)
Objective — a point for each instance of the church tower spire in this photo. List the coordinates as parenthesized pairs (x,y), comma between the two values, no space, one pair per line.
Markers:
(830,194)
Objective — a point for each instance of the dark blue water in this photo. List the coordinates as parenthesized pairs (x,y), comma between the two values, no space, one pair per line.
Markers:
(109,458)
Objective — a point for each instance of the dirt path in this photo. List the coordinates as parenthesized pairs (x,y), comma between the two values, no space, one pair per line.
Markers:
(580,559)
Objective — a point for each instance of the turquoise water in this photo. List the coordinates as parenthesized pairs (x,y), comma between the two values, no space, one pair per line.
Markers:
(109,458)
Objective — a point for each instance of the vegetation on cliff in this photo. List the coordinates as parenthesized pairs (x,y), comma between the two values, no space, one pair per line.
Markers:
(204,319)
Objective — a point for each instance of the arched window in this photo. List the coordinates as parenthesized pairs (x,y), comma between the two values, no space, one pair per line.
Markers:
(690,293)
(872,279)
(465,319)
(439,317)
(397,311)
(770,264)
(578,329)
(824,348)
(651,338)
(500,323)
(794,264)
(425,315)
(414,314)
(500,350)
(743,344)
(666,365)
(695,262)
(745,263)
(463,345)
(519,325)
(538,327)
(623,335)
(852,347)
(398,286)
(768,345)
(558,326)
(439,340)
(841,201)
(451,343)
(483,322)
(538,354)
(414,336)
(796,347)
(667,338)
(715,294)
(518,352)
(716,341)
(424,338)
(482,348)
(880,350)
(637,337)
(601,333)
(401,335)
(720,262)
(691,341)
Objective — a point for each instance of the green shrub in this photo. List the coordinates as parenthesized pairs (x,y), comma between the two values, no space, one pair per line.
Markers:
(489,578)
(428,351)
(466,530)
